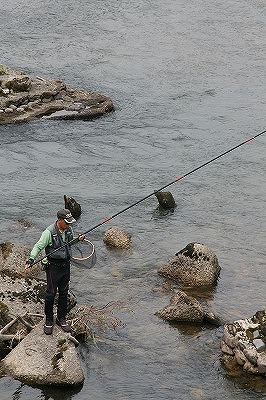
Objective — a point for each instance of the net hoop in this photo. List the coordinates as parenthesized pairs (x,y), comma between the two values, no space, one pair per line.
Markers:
(89,256)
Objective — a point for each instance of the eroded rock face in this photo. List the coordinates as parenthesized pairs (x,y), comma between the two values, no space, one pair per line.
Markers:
(182,308)
(244,343)
(23,98)
(117,237)
(21,291)
(195,265)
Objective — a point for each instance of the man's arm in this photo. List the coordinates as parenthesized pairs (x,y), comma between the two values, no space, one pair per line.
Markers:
(45,240)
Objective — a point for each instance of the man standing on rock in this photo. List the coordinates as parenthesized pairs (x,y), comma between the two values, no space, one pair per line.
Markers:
(56,236)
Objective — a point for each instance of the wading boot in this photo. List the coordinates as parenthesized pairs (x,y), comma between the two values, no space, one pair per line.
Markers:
(63,324)
(48,326)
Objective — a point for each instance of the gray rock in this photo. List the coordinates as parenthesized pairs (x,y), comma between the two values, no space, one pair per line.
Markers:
(182,308)
(195,265)
(261,363)
(22,291)
(41,359)
(244,338)
(259,344)
(226,349)
(117,237)
(45,98)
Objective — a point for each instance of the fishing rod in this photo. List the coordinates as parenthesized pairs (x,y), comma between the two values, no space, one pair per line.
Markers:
(75,240)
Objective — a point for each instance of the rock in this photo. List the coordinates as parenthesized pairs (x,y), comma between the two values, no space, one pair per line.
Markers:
(212,319)
(182,308)
(72,205)
(195,265)
(18,83)
(41,359)
(20,290)
(117,237)
(165,199)
(46,98)
(245,343)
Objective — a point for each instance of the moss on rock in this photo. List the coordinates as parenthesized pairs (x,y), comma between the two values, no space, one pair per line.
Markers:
(6,248)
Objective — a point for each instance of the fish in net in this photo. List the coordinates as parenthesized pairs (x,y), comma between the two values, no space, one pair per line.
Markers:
(83,254)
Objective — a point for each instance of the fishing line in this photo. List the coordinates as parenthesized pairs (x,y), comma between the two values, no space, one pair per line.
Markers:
(73,241)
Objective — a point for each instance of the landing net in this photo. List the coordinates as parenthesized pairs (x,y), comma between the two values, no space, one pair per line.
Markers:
(83,254)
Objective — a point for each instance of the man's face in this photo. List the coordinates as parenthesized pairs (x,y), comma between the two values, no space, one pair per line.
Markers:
(62,224)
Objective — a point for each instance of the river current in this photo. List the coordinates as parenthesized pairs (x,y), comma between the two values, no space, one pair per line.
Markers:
(187,79)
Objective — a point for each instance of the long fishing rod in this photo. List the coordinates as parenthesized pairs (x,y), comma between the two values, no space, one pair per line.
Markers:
(73,241)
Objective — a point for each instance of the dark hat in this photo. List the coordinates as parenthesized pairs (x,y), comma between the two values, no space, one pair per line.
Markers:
(66,215)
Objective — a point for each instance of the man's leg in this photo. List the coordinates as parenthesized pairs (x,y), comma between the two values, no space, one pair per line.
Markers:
(63,287)
(52,282)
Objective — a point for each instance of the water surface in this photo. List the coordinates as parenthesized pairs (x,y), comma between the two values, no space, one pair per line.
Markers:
(188,82)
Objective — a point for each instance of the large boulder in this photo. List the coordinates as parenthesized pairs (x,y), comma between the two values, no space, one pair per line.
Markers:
(41,359)
(195,265)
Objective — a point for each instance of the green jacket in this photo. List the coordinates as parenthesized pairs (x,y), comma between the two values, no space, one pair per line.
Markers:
(46,241)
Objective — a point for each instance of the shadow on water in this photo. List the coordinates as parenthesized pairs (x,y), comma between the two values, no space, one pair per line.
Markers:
(48,393)
(245,381)
(189,329)
(54,393)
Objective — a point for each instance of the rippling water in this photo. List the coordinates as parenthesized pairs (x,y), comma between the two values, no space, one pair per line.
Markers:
(188,82)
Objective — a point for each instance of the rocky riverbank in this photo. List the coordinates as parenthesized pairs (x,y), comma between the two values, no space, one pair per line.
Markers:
(24,98)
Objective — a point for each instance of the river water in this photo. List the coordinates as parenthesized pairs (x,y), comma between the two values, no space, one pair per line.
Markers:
(188,82)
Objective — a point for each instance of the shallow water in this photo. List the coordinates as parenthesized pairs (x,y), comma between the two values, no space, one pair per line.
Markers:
(187,81)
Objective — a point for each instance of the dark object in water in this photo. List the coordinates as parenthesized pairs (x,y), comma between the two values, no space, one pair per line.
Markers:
(165,199)
(73,206)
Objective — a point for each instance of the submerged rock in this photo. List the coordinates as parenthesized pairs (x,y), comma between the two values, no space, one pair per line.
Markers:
(117,237)
(72,205)
(23,99)
(166,199)
(195,265)
(182,308)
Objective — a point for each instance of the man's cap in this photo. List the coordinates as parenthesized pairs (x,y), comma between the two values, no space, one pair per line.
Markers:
(66,215)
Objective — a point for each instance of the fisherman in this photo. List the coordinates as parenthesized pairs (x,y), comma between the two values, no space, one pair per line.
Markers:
(57,267)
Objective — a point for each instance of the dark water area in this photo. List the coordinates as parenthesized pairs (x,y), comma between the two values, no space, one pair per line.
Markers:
(188,82)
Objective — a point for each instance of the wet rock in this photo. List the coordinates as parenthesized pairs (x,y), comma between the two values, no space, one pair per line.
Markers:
(165,199)
(212,319)
(21,291)
(182,308)
(244,342)
(195,265)
(41,359)
(117,237)
(72,205)
(18,83)
(23,99)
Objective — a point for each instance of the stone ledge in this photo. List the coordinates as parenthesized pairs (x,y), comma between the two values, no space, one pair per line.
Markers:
(24,99)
